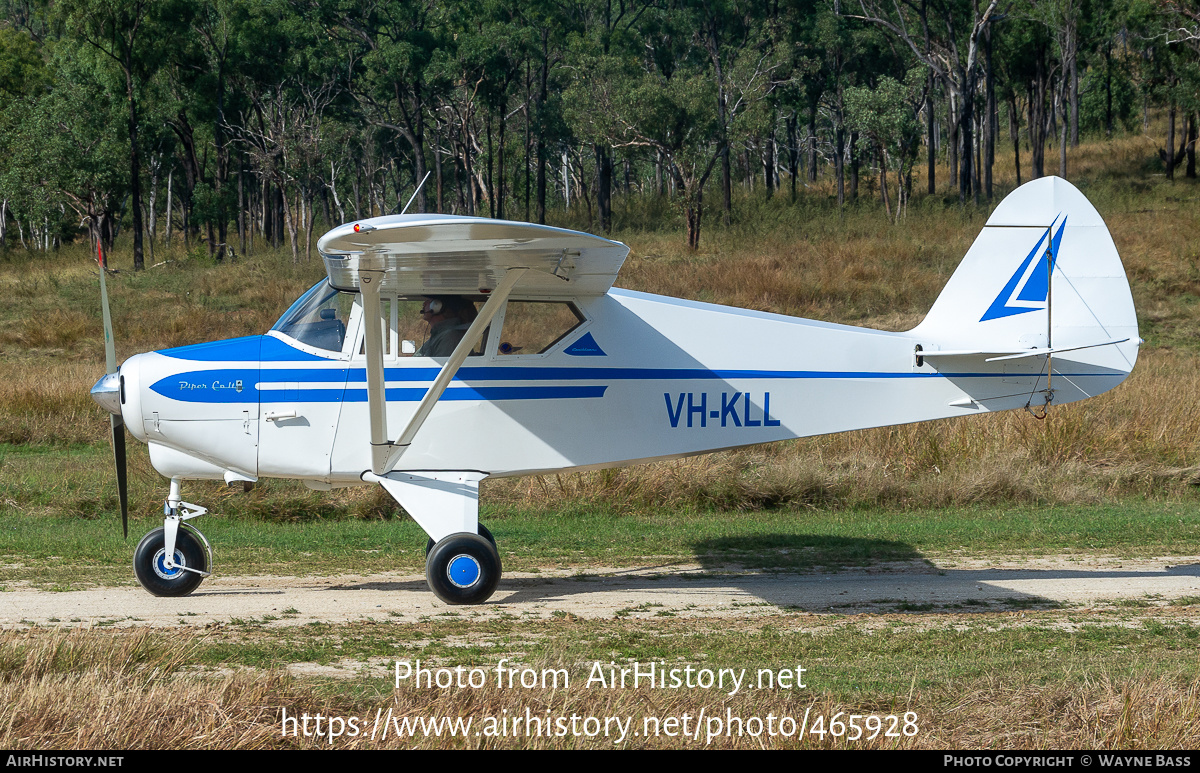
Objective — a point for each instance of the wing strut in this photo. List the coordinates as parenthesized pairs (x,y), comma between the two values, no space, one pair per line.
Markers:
(384,453)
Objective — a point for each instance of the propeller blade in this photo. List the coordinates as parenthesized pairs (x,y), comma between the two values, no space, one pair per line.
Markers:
(117,422)
(110,348)
(118,438)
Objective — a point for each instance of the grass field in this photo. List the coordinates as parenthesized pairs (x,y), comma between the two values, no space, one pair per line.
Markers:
(1113,476)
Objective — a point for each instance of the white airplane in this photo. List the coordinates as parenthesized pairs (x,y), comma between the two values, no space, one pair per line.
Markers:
(561,371)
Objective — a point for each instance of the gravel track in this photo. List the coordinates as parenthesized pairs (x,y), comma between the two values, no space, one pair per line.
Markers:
(953,584)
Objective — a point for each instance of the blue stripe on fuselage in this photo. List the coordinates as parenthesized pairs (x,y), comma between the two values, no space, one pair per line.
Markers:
(272,385)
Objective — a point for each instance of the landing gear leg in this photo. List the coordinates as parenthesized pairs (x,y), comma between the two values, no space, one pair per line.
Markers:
(462,565)
(175,559)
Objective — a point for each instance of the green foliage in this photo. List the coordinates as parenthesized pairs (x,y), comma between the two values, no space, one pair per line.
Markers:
(64,152)
(1103,86)
(888,113)
(23,72)
(356,99)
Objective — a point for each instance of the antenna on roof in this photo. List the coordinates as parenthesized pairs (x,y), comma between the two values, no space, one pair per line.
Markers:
(418,190)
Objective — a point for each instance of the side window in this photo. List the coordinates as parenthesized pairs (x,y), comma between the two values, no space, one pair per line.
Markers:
(533,327)
(407,333)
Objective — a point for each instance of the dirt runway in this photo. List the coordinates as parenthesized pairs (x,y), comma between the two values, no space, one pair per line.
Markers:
(677,590)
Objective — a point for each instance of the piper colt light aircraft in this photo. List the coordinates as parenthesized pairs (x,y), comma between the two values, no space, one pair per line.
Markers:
(560,371)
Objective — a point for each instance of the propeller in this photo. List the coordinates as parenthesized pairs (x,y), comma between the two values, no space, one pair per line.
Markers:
(107,392)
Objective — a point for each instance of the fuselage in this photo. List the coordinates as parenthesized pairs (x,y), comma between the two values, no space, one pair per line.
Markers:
(640,377)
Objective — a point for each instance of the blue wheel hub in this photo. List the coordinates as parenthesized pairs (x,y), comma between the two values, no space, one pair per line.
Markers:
(463,571)
(160,565)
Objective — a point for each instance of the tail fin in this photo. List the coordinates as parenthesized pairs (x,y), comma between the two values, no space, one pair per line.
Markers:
(1042,277)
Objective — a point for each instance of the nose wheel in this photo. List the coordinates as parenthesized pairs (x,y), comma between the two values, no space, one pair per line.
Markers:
(463,568)
(178,577)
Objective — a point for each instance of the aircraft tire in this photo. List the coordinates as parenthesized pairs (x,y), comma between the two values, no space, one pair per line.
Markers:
(483,532)
(463,569)
(161,581)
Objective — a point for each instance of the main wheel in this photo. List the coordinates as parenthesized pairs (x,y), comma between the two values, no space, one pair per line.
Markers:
(463,569)
(483,532)
(149,563)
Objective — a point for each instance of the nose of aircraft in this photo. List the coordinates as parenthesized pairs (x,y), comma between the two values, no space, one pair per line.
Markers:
(107,393)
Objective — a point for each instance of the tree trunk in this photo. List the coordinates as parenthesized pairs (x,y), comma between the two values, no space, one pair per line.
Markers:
(931,150)
(793,153)
(604,175)
(170,217)
(241,215)
(1037,121)
(135,166)
(695,209)
(993,115)
(1192,145)
(854,166)
(1014,132)
(840,164)
(726,192)
(1074,101)
(1063,134)
(1171,158)
(952,133)
(812,143)
(769,164)
(966,138)
(883,182)
(543,90)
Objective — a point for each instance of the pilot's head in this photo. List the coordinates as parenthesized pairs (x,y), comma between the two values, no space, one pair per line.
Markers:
(440,307)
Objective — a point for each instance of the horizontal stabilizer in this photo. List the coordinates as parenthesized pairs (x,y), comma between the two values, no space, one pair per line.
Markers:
(993,356)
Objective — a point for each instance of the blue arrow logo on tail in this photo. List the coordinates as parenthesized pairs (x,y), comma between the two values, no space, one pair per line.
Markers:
(1028,287)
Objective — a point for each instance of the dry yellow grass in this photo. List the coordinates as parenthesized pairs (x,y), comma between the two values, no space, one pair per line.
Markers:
(130,690)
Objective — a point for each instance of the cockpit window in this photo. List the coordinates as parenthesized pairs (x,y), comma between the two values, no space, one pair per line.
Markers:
(534,327)
(318,318)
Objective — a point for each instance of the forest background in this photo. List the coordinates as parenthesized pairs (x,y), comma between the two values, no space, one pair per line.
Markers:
(242,124)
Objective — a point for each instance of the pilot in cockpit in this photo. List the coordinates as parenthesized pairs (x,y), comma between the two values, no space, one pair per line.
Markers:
(448,316)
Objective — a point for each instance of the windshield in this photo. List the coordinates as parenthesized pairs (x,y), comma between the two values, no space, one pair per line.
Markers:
(318,318)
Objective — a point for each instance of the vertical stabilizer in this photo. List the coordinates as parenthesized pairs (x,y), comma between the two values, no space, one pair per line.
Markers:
(1043,273)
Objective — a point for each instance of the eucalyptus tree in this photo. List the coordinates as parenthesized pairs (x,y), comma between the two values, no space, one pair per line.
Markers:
(1107,92)
(944,35)
(889,114)
(660,96)
(227,41)
(23,77)
(130,39)
(398,50)
(492,48)
(730,33)
(804,23)
(1061,18)
(63,152)
(607,26)
(1170,68)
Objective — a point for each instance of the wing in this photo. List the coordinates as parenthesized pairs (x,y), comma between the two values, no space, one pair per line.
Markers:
(453,255)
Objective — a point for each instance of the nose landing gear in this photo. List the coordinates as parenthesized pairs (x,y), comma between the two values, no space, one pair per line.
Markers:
(183,574)
(175,558)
